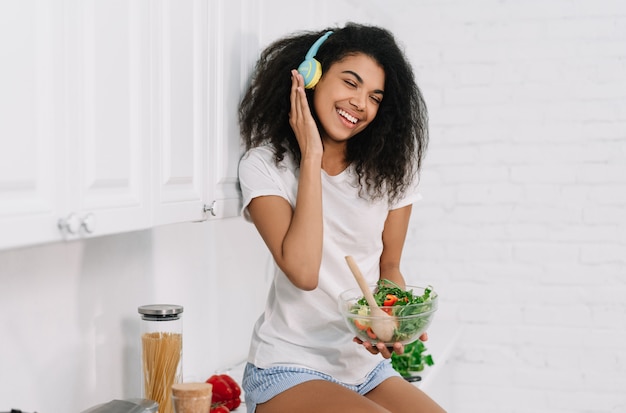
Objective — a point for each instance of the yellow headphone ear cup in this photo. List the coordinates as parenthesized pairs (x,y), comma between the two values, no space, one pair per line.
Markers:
(317,75)
(311,71)
(310,68)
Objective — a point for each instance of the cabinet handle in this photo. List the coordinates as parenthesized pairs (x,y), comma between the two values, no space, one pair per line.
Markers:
(88,223)
(70,225)
(212,209)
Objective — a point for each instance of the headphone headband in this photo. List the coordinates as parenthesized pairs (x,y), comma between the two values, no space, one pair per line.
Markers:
(311,69)
(313,50)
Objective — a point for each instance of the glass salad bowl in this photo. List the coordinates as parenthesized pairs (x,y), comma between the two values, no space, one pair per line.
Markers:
(411,309)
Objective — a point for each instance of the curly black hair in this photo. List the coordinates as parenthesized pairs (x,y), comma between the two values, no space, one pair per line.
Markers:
(387,155)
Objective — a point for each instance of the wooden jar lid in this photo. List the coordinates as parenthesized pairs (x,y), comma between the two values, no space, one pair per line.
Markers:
(192,389)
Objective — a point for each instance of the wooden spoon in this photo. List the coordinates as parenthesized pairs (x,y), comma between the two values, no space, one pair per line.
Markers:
(384,324)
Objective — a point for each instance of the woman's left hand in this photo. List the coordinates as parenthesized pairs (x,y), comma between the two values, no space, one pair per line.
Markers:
(381,348)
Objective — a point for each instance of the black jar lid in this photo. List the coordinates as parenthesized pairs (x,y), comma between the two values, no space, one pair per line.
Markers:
(160,312)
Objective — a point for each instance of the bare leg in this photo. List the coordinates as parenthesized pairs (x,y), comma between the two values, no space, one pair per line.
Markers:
(320,396)
(399,396)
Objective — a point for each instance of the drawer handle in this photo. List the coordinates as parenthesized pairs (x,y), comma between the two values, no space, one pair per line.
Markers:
(70,225)
(212,209)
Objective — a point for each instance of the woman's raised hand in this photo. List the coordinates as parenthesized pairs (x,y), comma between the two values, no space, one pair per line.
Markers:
(301,120)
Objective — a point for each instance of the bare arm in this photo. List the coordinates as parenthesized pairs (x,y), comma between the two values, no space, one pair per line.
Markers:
(394,235)
(294,236)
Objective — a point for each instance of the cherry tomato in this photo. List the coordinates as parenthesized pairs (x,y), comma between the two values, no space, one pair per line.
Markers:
(371,333)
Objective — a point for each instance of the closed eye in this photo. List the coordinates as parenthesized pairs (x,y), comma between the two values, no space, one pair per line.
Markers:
(356,81)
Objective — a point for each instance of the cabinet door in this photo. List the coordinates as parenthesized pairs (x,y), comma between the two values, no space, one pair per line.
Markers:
(179,113)
(108,71)
(233,49)
(32,157)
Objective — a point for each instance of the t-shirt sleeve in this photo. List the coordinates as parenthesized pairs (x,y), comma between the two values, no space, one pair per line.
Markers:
(257,177)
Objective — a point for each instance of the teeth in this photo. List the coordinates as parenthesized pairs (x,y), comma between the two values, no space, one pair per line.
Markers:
(347,116)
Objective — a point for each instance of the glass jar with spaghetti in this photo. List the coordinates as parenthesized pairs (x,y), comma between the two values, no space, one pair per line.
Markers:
(161,352)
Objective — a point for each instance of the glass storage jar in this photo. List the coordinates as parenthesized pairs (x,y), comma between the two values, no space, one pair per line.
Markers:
(161,352)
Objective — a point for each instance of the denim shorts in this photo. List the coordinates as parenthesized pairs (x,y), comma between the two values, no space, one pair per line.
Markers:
(260,385)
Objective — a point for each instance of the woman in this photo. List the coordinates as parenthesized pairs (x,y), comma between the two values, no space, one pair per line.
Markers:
(330,171)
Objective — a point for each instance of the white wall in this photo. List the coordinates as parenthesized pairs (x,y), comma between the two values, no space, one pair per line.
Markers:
(523,226)
(522,229)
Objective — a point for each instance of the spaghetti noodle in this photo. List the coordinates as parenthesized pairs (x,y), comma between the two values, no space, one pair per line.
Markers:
(161,356)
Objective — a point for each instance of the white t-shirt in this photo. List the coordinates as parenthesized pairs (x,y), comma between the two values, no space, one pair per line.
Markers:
(305,328)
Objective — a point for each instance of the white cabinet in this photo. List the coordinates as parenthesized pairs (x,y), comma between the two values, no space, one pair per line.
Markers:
(233,49)
(75,113)
(102,117)
(33,159)
(119,115)
(179,73)
(108,113)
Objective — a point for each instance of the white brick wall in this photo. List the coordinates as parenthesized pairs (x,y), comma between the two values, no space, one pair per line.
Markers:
(523,225)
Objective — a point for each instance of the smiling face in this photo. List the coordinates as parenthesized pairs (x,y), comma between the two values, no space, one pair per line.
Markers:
(348,96)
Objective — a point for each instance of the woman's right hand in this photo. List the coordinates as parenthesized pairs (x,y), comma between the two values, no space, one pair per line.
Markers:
(301,119)
(294,234)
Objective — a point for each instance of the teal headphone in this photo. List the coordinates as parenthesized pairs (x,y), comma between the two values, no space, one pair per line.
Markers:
(310,68)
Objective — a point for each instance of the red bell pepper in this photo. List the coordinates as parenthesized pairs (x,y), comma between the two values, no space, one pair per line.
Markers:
(226,393)
(390,300)
(233,385)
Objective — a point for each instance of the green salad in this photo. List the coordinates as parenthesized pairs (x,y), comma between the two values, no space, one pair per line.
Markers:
(403,304)
(413,360)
